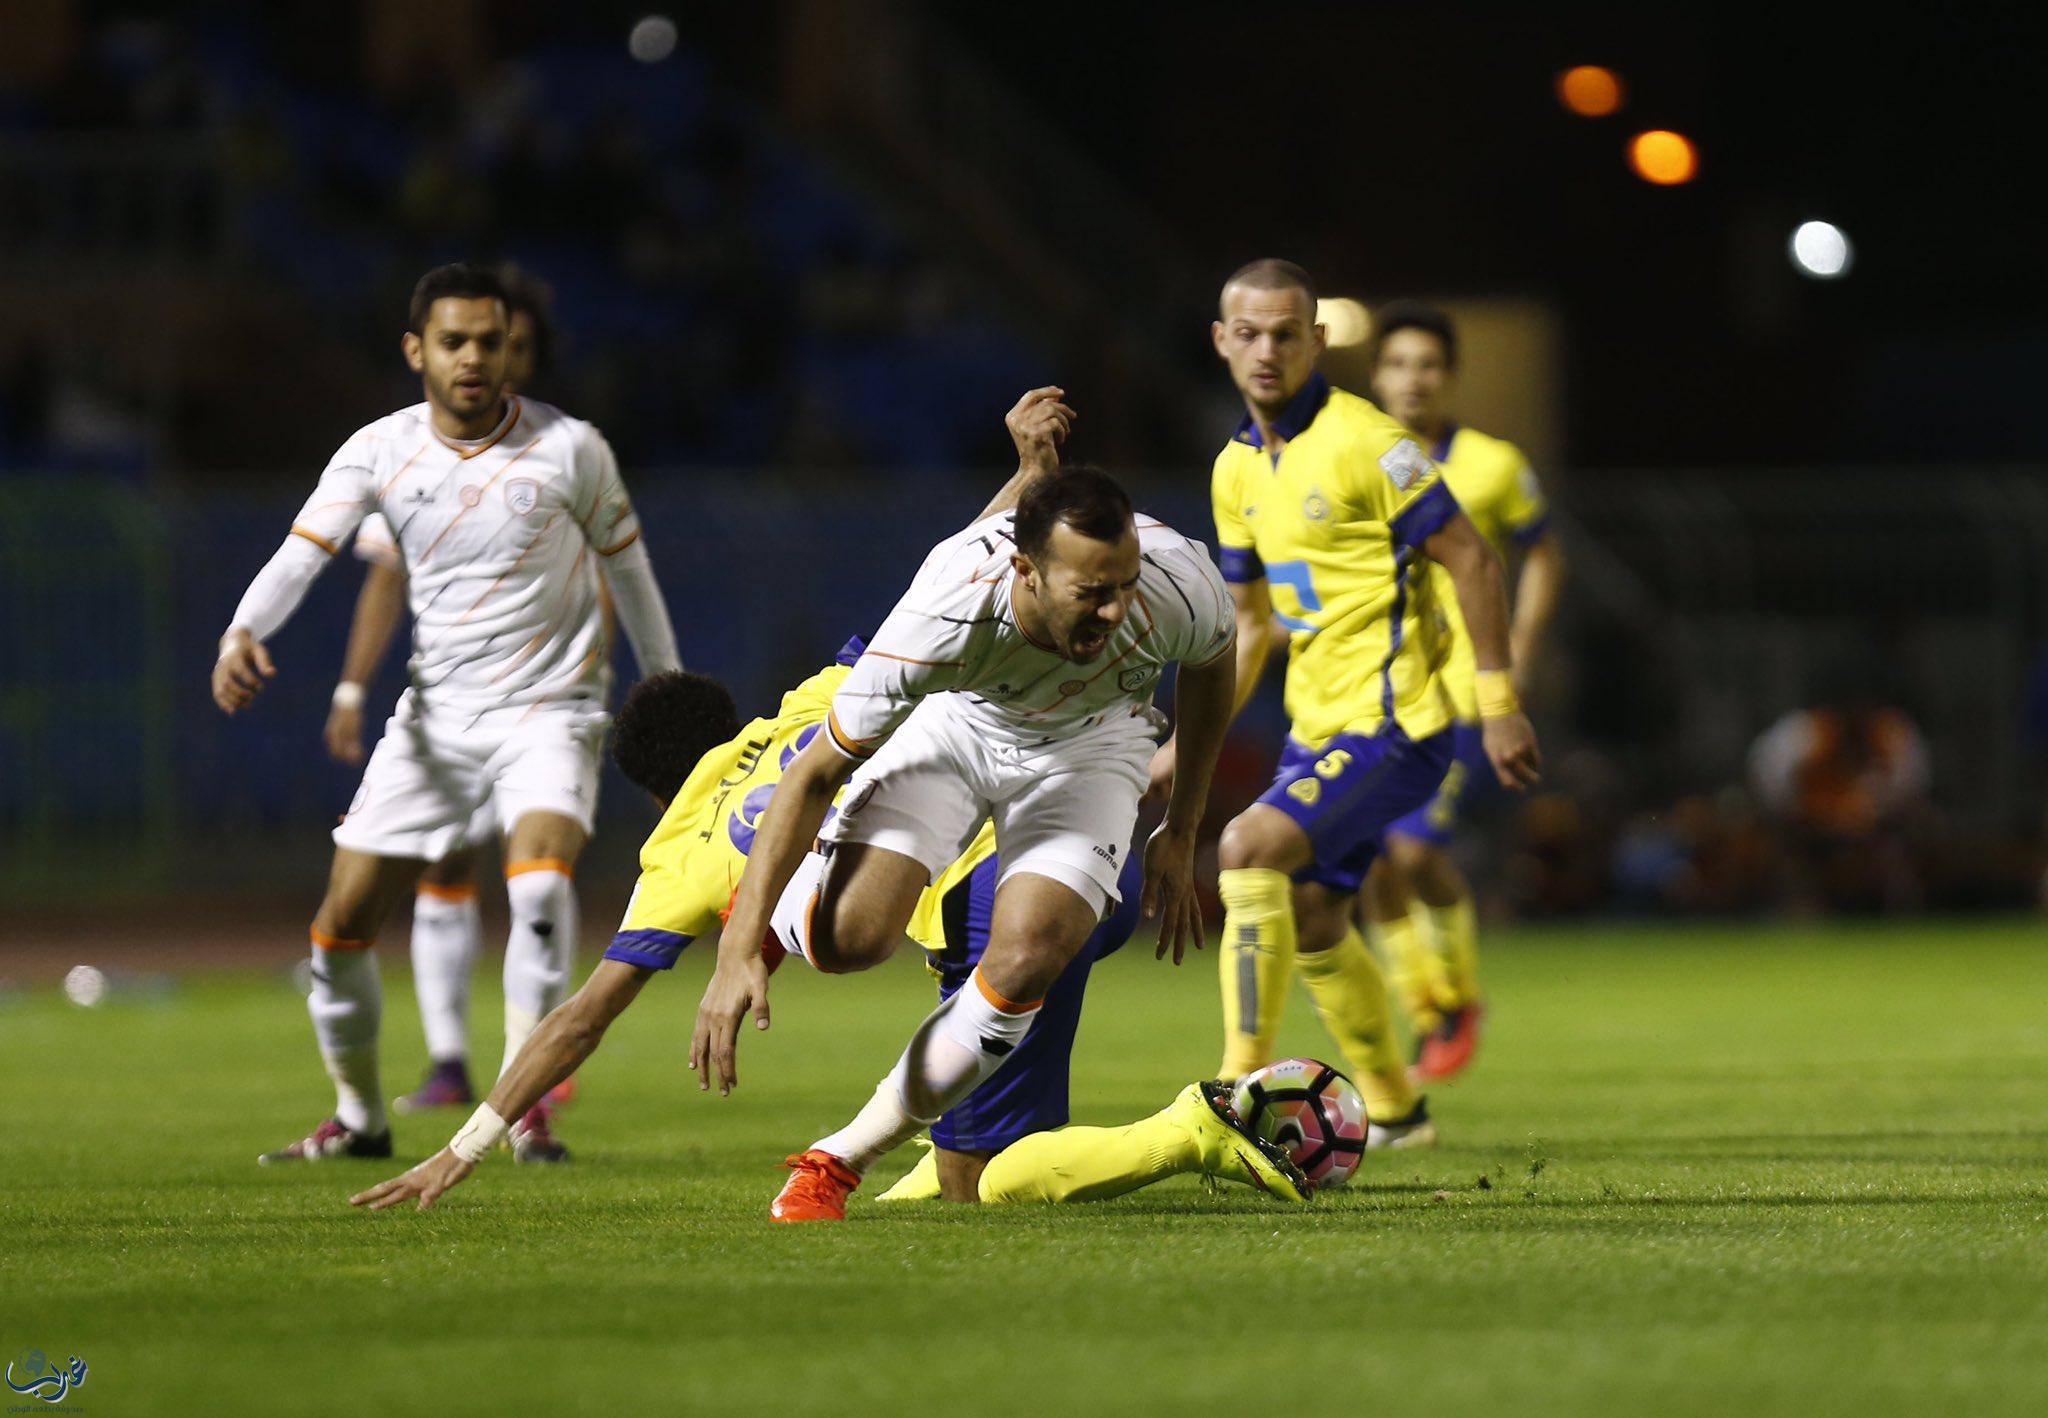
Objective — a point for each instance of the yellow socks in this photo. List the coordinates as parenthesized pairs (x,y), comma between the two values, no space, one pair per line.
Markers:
(1455,929)
(1255,962)
(1351,995)
(1412,968)
(1089,1164)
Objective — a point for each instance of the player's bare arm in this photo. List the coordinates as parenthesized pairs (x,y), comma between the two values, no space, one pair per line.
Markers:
(1039,423)
(557,1048)
(1538,589)
(739,984)
(379,607)
(1482,596)
(240,672)
(1256,643)
(1205,698)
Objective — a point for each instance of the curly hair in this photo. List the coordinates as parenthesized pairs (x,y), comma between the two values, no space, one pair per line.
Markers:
(667,723)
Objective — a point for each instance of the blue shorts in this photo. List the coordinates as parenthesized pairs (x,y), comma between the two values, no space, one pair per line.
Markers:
(1469,783)
(1029,1092)
(1346,794)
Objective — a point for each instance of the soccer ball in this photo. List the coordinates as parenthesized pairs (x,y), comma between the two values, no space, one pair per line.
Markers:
(1311,1111)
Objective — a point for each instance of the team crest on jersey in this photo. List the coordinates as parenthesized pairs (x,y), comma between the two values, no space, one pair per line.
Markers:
(522,495)
(1132,680)
(472,495)
(1406,464)
(1315,507)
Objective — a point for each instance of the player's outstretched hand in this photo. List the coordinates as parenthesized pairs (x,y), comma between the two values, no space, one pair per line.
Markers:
(1039,423)
(344,734)
(1511,746)
(239,673)
(737,987)
(426,1182)
(1170,892)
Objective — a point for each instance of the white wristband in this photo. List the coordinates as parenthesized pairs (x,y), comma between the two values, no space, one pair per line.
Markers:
(348,695)
(484,1131)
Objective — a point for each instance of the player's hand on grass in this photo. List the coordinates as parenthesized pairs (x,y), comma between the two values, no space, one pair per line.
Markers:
(344,734)
(1169,896)
(1039,424)
(426,1182)
(239,673)
(1511,747)
(738,985)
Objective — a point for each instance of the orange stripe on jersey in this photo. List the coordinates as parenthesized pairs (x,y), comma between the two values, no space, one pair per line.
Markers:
(315,538)
(490,590)
(401,471)
(614,551)
(335,942)
(906,660)
(990,993)
(513,869)
(470,507)
(454,894)
(851,747)
(465,454)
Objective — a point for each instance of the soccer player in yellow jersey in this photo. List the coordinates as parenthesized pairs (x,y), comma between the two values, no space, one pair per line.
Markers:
(1433,951)
(1326,510)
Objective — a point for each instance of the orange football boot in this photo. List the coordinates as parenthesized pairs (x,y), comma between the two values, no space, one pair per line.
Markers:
(1447,1051)
(817,1189)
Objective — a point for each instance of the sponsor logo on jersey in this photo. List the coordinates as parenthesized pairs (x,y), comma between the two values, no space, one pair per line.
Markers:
(1406,464)
(1132,680)
(522,495)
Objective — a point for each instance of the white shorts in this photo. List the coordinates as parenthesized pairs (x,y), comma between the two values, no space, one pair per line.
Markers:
(1063,810)
(438,769)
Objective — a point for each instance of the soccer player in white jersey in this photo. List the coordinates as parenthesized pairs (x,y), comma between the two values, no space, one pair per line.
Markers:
(1013,681)
(498,504)
(447,926)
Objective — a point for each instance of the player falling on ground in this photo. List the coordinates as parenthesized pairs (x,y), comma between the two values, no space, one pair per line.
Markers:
(1013,681)
(498,504)
(447,927)
(1417,903)
(713,801)
(1324,508)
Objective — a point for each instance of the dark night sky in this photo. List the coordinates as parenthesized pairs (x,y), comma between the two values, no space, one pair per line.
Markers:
(1400,149)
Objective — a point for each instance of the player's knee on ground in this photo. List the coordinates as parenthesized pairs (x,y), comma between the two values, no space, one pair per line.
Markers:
(960,1174)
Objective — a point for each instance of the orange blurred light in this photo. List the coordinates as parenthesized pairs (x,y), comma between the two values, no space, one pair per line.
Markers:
(1663,157)
(1589,90)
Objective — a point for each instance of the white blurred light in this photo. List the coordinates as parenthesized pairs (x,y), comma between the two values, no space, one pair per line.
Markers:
(85,986)
(1347,320)
(1821,250)
(653,39)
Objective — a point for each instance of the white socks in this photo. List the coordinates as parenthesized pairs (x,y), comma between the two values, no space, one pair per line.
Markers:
(791,918)
(959,1044)
(347,1005)
(540,949)
(447,934)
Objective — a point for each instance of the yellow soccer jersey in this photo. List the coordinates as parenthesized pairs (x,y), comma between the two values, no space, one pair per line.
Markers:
(1334,525)
(1495,485)
(692,860)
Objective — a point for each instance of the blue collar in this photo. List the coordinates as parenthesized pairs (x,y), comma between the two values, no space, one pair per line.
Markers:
(852,650)
(1300,412)
(1443,447)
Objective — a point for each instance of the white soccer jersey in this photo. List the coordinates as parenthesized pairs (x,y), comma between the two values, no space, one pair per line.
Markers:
(955,630)
(496,537)
(376,544)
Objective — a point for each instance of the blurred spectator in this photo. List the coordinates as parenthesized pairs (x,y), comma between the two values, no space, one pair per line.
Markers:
(1848,783)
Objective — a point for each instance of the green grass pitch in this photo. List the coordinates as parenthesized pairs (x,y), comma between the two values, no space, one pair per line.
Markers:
(1745,1170)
